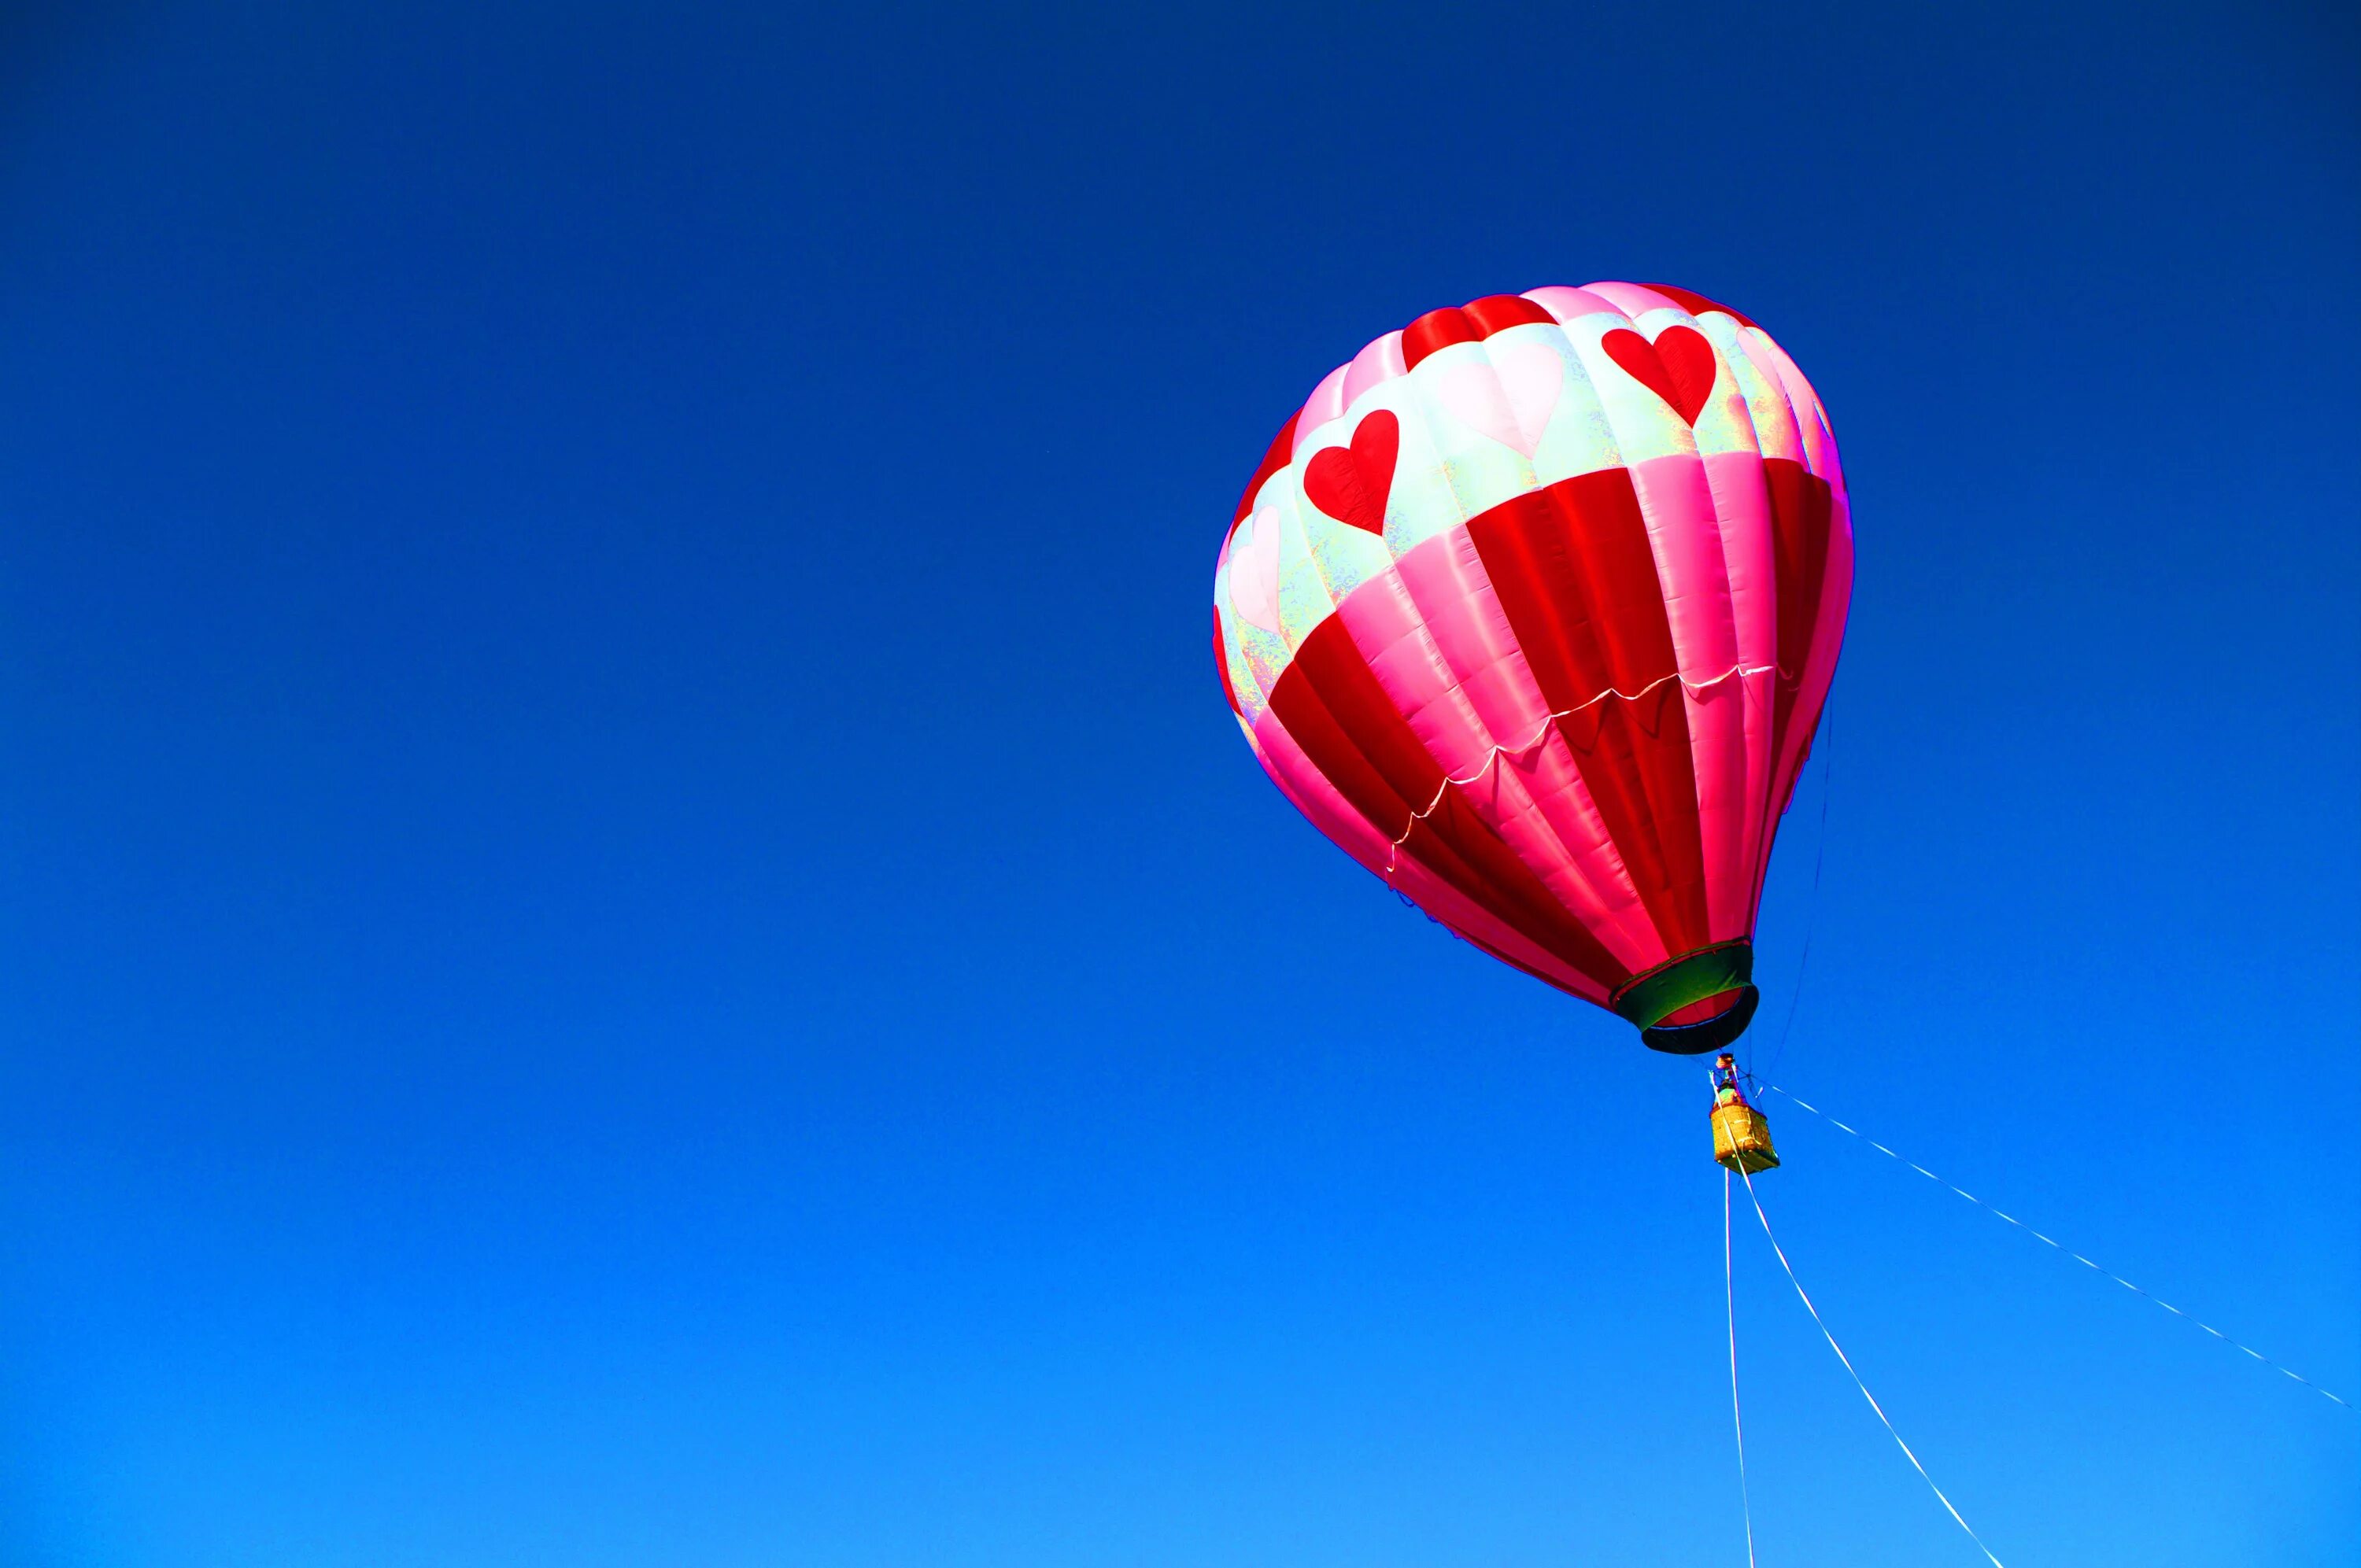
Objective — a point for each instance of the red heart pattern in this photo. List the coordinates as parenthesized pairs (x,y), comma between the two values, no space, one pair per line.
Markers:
(1351,483)
(1678,367)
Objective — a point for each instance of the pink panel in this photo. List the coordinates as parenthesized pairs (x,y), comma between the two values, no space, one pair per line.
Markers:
(1743,503)
(1566,304)
(1379,362)
(1388,622)
(1635,299)
(1326,402)
(1441,646)
(1312,794)
(1552,777)
(1677,504)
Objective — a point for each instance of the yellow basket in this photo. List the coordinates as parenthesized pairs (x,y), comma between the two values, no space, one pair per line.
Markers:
(1741,1139)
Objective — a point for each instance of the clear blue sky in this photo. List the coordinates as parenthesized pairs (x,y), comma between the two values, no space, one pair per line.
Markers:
(632,932)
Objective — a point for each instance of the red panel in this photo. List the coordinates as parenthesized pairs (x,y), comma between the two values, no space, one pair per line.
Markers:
(1499,312)
(1694,302)
(1472,323)
(1577,577)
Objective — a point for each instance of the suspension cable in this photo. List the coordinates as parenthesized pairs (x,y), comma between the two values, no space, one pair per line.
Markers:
(2059,1246)
(1737,1420)
(1828,748)
(1857,1383)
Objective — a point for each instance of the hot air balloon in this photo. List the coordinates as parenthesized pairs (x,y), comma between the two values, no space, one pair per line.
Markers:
(1532,607)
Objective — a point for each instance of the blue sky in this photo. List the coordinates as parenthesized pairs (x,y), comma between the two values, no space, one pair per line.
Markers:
(631,930)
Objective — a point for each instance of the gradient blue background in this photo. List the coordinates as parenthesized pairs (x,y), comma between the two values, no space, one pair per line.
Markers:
(632,931)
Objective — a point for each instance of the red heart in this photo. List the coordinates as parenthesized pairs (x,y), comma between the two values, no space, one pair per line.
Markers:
(1351,484)
(1678,367)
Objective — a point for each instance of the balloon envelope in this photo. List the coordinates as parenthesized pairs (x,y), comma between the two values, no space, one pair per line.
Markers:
(1531,607)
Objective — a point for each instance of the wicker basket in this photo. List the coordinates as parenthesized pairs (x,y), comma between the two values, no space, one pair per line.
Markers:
(1741,1139)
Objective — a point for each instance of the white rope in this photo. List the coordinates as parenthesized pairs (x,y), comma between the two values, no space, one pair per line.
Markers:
(1828,744)
(2070,1251)
(1493,757)
(1856,1375)
(1738,1420)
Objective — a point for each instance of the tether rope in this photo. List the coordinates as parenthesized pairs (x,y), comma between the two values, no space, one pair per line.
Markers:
(1857,1383)
(2070,1251)
(1737,1421)
(1812,908)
